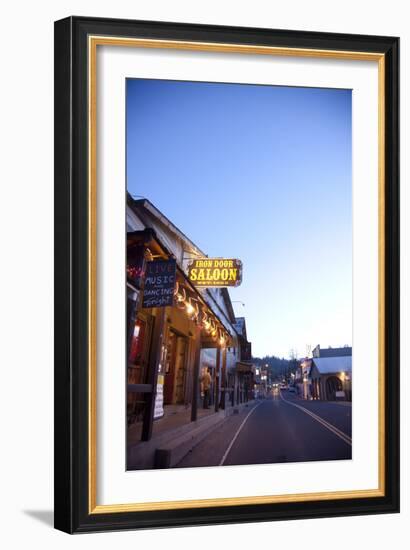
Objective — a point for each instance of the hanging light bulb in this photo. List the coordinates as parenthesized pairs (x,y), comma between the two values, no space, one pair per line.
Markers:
(205,322)
(222,339)
(180,298)
(192,310)
(189,307)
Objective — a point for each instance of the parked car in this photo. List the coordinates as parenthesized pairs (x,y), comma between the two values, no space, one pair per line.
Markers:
(292,389)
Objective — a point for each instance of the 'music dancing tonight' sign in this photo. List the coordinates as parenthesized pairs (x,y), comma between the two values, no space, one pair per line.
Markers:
(160,279)
(215,272)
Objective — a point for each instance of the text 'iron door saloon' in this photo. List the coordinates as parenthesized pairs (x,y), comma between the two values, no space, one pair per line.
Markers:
(215,272)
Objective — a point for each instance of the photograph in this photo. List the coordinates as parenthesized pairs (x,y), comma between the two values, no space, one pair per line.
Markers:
(238,276)
(227,274)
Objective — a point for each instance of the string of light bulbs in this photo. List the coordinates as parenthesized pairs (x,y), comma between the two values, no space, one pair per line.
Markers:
(198,313)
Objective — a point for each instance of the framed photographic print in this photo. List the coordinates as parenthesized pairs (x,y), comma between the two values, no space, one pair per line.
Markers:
(226,274)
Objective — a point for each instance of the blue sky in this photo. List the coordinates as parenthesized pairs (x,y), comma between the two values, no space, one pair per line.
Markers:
(263,174)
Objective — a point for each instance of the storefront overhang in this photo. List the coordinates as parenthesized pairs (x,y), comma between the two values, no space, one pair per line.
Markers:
(187,297)
(245,367)
(205,304)
(149,240)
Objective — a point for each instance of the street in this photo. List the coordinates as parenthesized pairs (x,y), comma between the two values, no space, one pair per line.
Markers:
(281,428)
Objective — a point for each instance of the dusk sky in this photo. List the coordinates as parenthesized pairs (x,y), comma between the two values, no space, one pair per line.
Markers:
(263,174)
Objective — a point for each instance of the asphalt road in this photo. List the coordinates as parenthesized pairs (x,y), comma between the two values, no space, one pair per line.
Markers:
(279,429)
(283,431)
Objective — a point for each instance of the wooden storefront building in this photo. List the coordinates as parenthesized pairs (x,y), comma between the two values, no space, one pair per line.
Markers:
(170,347)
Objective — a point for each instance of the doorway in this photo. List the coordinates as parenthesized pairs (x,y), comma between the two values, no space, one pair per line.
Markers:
(175,369)
(333,385)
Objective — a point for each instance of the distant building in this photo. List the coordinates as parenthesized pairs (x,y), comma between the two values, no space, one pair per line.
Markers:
(331,352)
(245,369)
(330,374)
(326,376)
(303,381)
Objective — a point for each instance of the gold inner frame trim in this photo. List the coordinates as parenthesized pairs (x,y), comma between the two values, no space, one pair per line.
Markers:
(93,42)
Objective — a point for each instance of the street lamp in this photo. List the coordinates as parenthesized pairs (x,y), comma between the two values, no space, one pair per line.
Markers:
(345,379)
(342,377)
(305,387)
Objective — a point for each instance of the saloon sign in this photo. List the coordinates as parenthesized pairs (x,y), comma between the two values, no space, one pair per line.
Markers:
(215,272)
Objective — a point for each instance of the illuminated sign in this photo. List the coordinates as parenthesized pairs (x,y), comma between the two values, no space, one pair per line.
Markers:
(215,272)
(159,283)
(135,265)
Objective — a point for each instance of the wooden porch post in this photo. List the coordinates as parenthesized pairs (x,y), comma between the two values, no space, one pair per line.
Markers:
(153,367)
(224,381)
(237,389)
(217,378)
(195,376)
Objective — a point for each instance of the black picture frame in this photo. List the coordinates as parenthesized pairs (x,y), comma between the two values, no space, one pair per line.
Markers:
(71,416)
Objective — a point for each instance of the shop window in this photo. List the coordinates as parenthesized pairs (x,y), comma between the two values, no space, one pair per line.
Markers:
(137,363)
(137,342)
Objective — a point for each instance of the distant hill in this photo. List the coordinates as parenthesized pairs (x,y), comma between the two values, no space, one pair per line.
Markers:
(277,366)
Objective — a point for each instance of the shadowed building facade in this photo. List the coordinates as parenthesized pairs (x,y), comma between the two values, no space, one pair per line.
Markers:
(170,347)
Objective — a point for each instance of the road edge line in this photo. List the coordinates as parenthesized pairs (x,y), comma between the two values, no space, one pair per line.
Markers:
(221,463)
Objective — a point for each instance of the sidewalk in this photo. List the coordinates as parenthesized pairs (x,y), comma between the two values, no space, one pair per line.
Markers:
(211,450)
(174,436)
(174,417)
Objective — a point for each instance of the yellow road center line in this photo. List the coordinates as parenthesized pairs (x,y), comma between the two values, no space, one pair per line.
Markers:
(344,437)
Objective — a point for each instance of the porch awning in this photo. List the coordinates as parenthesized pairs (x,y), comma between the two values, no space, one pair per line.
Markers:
(245,367)
(150,239)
